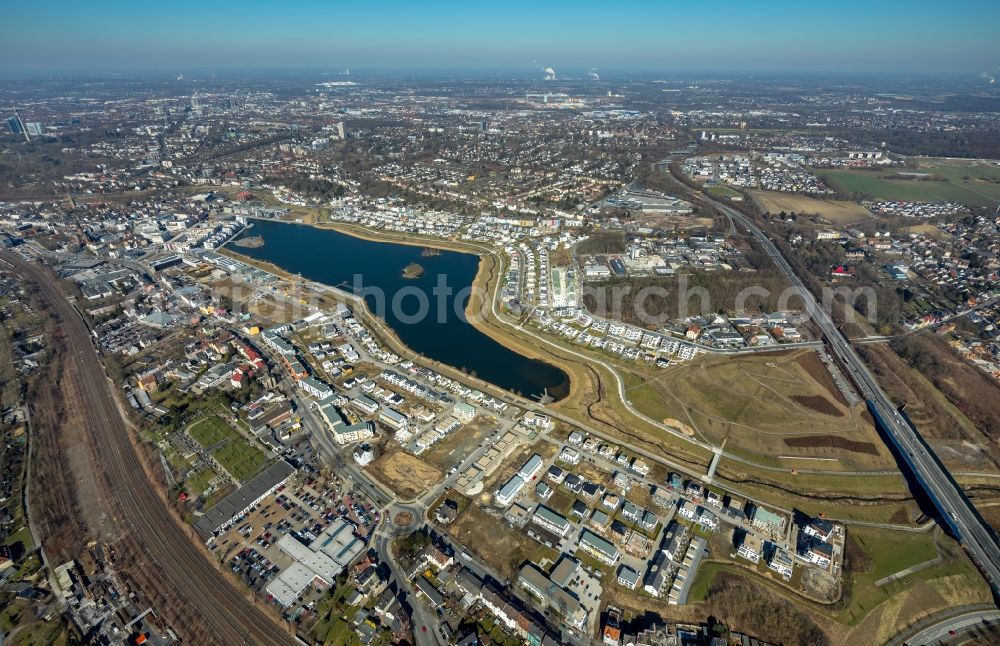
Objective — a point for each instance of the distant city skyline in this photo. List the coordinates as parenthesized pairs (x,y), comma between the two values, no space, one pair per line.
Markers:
(851,36)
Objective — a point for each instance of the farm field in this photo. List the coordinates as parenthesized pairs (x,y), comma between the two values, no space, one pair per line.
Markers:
(780,405)
(973,186)
(837,211)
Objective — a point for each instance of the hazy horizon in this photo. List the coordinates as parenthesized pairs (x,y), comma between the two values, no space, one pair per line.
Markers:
(637,37)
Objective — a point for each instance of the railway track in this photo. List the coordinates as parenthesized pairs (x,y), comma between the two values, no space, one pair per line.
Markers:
(175,569)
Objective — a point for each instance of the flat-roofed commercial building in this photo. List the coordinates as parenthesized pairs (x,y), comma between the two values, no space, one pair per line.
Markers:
(235,505)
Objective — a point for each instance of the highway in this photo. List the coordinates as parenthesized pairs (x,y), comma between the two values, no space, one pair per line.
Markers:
(963,625)
(955,509)
(199,602)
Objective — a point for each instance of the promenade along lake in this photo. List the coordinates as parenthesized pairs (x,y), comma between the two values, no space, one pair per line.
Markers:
(340,260)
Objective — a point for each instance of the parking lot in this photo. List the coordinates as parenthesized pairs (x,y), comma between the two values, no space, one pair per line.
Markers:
(303,508)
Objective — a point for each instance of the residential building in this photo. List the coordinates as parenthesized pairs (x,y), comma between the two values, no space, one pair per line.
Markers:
(751,547)
(781,562)
(315,387)
(464,412)
(545,590)
(393,418)
(531,468)
(598,547)
(819,528)
(509,491)
(766,520)
(627,577)
(364,454)
(551,520)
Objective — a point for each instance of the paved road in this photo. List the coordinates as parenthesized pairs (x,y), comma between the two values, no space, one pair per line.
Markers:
(419,615)
(955,509)
(940,632)
(174,567)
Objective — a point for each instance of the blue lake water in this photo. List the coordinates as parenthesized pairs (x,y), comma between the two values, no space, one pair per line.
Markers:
(443,333)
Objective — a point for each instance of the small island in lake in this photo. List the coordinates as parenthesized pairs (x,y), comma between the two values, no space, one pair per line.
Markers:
(250,242)
(413,270)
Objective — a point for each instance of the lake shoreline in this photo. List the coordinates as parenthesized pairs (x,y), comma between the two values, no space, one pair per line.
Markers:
(484,280)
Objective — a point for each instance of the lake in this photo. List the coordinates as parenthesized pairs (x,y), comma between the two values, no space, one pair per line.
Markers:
(443,334)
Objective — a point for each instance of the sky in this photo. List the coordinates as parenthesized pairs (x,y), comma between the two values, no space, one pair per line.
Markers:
(957,36)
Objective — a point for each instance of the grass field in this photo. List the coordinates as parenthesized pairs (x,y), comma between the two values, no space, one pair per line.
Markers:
(210,431)
(236,455)
(838,212)
(772,405)
(974,186)
(872,614)
(721,191)
(892,552)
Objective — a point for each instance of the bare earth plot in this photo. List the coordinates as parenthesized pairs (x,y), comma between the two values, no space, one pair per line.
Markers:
(458,444)
(837,211)
(500,546)
(405,474)
(778,405)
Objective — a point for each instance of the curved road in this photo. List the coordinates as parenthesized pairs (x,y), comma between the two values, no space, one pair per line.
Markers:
(941,631)
(175,569)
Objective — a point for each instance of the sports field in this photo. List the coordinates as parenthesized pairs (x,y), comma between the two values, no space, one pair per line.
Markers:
(973,186)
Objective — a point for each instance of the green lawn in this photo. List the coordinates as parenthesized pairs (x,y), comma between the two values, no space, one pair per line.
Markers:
(197,482)
(703,581)
(237,456)
(240,459)
(24,536)
(211,430)
(645,398)
(977,191)
(721,191)
(340,632)
(891,552)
